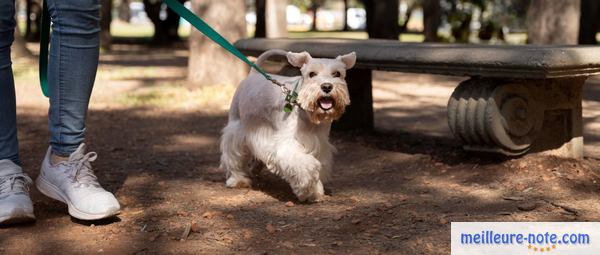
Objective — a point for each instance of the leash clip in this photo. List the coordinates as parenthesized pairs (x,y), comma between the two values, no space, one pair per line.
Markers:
(291,98)
(291,101)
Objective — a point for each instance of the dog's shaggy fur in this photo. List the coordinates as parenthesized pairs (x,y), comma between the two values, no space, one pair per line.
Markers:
(294,146)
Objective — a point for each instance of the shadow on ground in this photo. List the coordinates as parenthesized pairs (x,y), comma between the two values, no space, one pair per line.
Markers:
(392,192)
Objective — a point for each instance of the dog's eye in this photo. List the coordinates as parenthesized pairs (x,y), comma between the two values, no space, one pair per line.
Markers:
(312,74)
(336,74)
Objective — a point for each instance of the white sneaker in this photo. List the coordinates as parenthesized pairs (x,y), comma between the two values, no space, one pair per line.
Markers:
(15,204)
(73,182)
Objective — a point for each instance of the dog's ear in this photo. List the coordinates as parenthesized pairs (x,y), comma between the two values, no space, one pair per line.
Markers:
(349,59)
(298,59)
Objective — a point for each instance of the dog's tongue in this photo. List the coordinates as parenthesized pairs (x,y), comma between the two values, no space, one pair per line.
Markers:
(326,103)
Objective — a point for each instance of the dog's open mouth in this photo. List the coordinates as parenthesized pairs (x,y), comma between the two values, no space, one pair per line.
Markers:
(326,103)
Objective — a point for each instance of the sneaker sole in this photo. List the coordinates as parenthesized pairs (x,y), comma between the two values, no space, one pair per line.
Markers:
(16,218)
(48,189)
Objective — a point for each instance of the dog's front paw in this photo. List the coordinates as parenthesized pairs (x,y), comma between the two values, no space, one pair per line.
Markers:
(313,193)
(312,198)
(318,194)
(236,181)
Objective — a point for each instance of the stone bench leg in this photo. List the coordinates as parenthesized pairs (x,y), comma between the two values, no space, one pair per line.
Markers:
(514,117)
(359,114)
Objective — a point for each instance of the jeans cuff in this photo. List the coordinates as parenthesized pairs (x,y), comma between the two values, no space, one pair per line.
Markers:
(15,159)
(62,151)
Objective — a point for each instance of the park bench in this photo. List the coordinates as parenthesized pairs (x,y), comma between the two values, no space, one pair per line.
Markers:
(518,99)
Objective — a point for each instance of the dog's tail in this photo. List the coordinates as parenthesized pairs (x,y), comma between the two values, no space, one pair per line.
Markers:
(268,54)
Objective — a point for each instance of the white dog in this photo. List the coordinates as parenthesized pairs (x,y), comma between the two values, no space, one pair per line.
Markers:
(295,145)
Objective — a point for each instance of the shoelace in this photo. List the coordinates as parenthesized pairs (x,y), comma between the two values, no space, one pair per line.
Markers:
(15,183)
(81,170)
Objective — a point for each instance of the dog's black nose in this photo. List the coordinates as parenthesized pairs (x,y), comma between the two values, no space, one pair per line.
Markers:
(326,87)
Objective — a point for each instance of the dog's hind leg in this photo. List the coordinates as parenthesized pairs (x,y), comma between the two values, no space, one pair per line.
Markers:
(235,156)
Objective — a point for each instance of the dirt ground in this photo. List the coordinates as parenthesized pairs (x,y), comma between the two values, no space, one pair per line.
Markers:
(393,191)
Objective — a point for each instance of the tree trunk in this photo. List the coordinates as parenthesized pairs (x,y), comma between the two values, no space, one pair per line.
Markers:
(19,46)
(261,20)
(209,64)
(105,20)
(28,21)
(33,11)
(346,27)
(382,19)
(124,12)
(165,31)
(409,11)
(432,19)
(588,24)
(276,19)
(314,8)
(172,25)
(553,22)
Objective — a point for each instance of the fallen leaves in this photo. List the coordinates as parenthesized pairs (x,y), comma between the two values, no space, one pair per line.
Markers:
(530,206)
(210,214)
(186,232)
(443,221)
(195,227)
(270,228)
(288,245)
(247,234)
(515,198)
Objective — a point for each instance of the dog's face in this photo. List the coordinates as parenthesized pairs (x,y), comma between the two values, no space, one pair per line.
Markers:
(324,92)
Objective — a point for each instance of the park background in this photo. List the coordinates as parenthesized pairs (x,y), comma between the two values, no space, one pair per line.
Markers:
(161,98)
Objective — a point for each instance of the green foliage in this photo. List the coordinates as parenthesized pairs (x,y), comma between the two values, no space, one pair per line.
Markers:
(493,15)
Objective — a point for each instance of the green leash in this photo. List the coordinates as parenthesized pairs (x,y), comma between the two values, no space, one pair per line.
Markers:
(44,42)
(291,96)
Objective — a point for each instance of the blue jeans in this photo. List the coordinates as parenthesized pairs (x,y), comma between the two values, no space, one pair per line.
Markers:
(74,50)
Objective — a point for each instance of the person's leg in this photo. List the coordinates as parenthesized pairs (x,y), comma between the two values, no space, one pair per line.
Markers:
(72,69)
(9,147)
(15,205)
(66,173)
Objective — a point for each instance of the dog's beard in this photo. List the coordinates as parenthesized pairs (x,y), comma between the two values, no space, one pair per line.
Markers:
(323,107)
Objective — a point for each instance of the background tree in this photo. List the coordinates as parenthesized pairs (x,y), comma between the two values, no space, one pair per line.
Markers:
(432,19)
(32,21)
(19,46)
(165,30)
(276,18)
(314,9)
(553,22)
(346,27)
(404,24)
(589,21)
(382,18)
(209,64)
(105,20)
(271,21)
(260,30)
(123,10)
